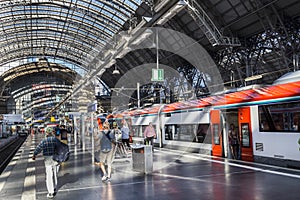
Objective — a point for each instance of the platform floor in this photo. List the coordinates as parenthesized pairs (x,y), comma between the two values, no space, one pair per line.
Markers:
(176,175)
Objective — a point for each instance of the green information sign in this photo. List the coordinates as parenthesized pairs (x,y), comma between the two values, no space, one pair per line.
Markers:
(157,75)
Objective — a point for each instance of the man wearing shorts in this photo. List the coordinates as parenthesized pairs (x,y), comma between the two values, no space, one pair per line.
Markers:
(107,145)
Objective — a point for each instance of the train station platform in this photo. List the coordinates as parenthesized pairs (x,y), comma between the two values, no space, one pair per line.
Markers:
(176,175)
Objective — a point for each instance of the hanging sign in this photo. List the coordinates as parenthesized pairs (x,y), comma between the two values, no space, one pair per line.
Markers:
(157,75)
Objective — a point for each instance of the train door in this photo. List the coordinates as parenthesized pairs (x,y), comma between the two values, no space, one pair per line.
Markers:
(245,133)
(216,133)
(229,116)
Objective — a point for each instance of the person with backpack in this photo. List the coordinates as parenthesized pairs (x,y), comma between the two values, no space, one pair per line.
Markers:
(107,146)
(47,146)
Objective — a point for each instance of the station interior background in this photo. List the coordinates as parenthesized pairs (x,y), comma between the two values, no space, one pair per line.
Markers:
(59,57)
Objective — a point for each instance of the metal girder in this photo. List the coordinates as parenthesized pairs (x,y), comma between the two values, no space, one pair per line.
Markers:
(269,54)
(210,30)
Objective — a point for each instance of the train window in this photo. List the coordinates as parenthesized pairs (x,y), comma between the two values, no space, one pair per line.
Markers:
(184,133)
(284,117)
(187,132)
(201,133)
(169,132)
(168,115)
(245,134)
(216,133)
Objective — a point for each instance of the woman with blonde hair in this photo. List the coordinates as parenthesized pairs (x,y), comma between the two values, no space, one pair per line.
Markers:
(125,134)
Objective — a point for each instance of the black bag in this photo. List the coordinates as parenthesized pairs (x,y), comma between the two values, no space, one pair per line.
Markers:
(62,152)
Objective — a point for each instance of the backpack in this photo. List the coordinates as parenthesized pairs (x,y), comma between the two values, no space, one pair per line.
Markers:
(105,142)
(62,152)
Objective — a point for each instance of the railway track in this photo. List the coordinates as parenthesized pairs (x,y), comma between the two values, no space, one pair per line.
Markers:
(8,151)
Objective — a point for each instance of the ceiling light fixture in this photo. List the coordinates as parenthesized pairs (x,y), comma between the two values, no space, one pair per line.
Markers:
(116,71)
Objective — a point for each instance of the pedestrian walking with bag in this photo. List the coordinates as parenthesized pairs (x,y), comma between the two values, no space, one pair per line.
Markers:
(107,146)
(47,146)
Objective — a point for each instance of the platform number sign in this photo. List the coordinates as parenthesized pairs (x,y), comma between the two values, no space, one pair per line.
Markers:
(157,75)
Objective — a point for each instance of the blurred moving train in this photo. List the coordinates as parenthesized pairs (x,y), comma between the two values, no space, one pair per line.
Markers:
(267,119)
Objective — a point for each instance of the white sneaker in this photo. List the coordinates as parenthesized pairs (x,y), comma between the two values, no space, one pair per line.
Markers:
(104,178)
(50,196)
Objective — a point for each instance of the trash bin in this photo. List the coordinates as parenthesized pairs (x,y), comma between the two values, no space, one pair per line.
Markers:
(142,158)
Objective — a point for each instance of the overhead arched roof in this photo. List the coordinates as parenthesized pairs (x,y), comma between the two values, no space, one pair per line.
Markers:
(64,29)
(70,30)
(36,73)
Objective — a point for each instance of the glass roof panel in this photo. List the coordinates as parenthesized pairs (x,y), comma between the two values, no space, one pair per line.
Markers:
(64,29)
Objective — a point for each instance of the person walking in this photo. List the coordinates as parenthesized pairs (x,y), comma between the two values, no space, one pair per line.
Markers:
(107,146)
(120,147)
(63,134)
(117,132)
(125,134)
(47,146)
(234,141)
(150,134)
(57,132)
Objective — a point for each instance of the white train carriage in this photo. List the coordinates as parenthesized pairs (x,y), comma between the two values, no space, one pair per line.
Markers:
(267,119)
(186,129)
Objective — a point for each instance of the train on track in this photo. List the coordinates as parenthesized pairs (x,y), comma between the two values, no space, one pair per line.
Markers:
(267,119)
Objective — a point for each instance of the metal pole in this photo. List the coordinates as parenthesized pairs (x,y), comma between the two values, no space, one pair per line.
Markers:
(75,128)
(82,131)
(138,94)
(159,126)
(157,56)
(93,130)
